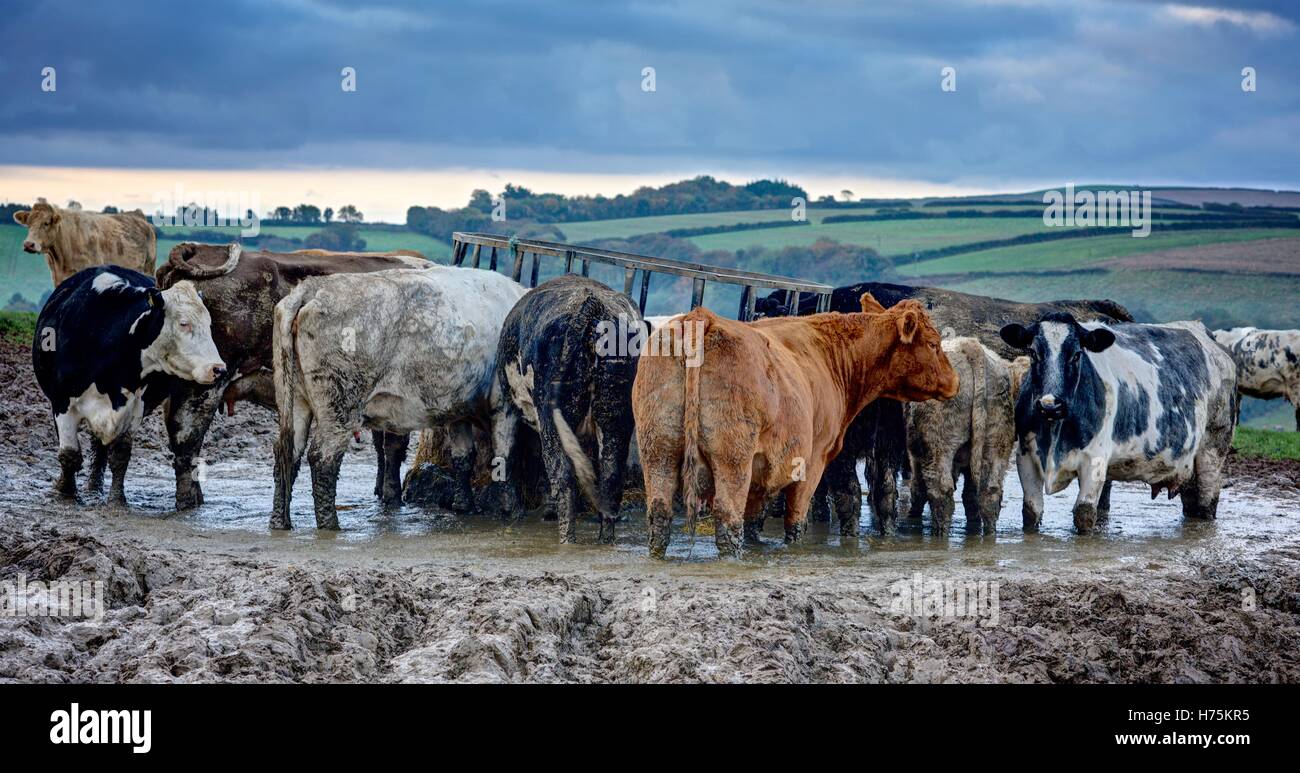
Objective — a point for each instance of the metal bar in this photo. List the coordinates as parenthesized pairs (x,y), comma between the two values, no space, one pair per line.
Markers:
(645,289)
(568,261)
(744,301)
(697,293)
(518,270)
(478,248)
(492,261)
(629,277)
(749,304)
(536,263)
(586,267)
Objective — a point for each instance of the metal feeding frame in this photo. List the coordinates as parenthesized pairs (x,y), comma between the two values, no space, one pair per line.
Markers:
(632,263)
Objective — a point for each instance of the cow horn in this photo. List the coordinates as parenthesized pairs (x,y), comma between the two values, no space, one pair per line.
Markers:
(179,259)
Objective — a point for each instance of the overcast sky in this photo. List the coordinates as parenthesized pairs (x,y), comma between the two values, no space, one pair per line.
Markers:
(825,91)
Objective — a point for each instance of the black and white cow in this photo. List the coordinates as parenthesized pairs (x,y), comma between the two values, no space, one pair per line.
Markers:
(566,376)
(1117,401)
(1268,363)
(396,351)
(108,342)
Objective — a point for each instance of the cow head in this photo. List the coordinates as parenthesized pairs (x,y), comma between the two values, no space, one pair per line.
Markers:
(183,346)
(1056,344)
(918,368)
(40,221)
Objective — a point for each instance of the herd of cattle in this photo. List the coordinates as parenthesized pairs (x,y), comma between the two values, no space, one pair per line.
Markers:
(733,420)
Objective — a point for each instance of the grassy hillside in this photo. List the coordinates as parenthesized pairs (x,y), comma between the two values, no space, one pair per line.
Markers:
(1269,445)
(1076,253)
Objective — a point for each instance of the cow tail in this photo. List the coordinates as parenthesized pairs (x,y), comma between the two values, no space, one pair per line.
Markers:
(588,317)
(283,351)
(694,470)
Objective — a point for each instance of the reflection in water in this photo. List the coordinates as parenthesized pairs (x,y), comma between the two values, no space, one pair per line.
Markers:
(238,496)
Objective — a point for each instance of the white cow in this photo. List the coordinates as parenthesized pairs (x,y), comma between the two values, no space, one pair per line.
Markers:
(397,351)
(1268,363)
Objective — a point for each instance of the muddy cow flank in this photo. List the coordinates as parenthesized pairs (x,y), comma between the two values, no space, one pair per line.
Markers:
(72,240)
(240,288)
(766,407)
(106,343)
(393,351)
(565,376)
(971,436)
(1268,363)
(1105,402)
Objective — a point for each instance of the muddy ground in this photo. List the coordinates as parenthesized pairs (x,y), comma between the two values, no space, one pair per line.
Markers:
(419,595)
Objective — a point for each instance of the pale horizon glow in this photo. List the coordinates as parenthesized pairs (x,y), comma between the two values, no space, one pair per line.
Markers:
(383,195)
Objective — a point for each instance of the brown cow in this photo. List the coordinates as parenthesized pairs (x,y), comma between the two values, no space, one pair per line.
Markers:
(73,240)
(766,405)
(240,289)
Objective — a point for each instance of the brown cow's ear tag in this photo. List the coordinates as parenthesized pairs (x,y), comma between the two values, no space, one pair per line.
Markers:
(907,326)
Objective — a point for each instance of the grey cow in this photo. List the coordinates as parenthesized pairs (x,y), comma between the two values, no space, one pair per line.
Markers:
(397,351)
(971,435)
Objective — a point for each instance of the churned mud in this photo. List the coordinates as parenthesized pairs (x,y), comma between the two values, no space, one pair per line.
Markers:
(416,594)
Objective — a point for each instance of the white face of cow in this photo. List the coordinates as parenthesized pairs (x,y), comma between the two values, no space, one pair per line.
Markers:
(1056,349)
(40,221)
(184,347)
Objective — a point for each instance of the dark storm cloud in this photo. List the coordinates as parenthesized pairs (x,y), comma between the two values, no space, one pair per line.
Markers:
(1085,90)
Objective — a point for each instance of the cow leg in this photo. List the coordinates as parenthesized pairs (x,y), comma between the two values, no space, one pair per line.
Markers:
(916,487)
(1031,486)
(377,439)
(883,493)
(798,498)
(615,438)
(98,461)
(841,479)
(820,508)
(391,455)
(69,454)
(730,500)
(970,500)
(288,458)
(189,414)
(461,435)
(1103,502)
(990,496)
(559,474)
(1200,494)
(939,487)
(1092,479)
(660,473)
(505,427)
(119,457)
(325,456)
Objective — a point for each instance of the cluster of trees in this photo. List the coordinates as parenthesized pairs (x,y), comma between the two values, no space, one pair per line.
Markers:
(309,214)
(523,209)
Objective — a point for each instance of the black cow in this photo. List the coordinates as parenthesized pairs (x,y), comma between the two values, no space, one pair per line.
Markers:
(566,372)
(879,434)
(108,347)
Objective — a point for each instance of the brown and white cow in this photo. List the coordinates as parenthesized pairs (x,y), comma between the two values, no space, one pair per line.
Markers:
(72,240)
(730,413)
(971,436)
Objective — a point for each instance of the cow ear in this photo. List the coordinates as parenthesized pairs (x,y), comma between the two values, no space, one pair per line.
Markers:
(21,216)
(908,323)
(1098,340)
(1016,336)
(870,305)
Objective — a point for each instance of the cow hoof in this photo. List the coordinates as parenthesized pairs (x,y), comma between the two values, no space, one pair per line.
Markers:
(95,485)
(754,532)
(729,541)
(117,498)
(1029,520)
(1085,518)
(280,522)
(607,531)
(65,491)
(793,533)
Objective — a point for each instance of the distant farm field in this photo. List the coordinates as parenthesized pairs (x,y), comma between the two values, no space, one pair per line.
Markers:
(1081,253)
(591,230)
(1265,301)
(888,237)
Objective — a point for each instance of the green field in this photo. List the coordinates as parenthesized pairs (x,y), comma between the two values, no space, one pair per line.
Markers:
(1077,253)
(888,237)
(591,230)
(1269,445)
(1265,301)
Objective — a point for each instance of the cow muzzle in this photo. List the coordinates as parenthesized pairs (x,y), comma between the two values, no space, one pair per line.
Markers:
(1051,407)
(209,374)
(30,247)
